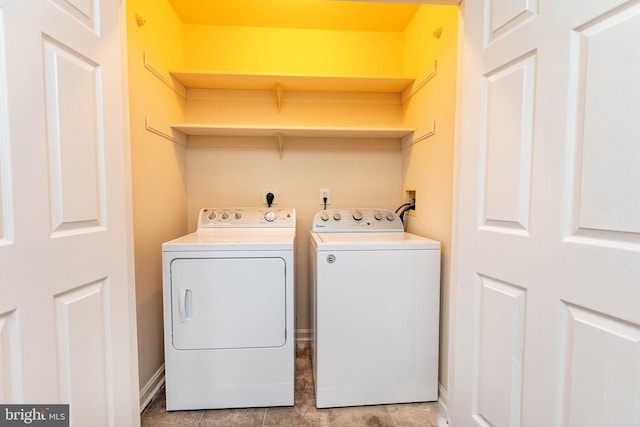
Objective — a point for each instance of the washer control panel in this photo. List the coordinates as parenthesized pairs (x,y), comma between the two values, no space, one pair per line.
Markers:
(356,220)
(246,218)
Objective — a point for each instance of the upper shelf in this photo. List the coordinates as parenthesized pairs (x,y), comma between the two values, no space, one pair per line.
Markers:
(250,81)
(292,131)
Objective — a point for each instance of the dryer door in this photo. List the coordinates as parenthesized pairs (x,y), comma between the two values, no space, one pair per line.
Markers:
(219,303)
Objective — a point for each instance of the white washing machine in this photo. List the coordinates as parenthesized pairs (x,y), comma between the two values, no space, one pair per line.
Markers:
(375,302)
(228,310)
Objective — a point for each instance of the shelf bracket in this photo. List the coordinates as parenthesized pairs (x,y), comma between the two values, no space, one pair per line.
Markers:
(411,141)
(423,83)
(149,126)
(164,77)
(278,95)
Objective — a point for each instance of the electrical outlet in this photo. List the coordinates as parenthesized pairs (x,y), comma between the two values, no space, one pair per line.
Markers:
(410,196)
(267,191)
(324,192)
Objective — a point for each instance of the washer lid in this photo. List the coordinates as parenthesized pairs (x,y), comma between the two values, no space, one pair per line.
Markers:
(372,241)
(234,239)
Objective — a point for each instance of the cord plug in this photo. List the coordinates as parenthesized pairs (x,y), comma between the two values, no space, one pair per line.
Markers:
(270,197)
(324,199)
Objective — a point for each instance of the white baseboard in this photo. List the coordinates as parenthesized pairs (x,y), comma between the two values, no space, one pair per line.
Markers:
(151,388)
(442,399)
(304,335)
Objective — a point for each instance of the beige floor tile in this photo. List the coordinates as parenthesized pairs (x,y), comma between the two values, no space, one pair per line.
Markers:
(415,414)
(303,414)
(365,416)
(250,417)
(156,415)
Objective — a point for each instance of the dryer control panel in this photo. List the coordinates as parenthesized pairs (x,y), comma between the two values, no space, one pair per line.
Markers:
(356,220)
(246,218)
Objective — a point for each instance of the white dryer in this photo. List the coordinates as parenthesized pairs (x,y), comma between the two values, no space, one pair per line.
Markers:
(375,303)
(229,310)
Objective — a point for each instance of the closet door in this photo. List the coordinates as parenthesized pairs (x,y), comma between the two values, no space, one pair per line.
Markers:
(67,314)
(547,318)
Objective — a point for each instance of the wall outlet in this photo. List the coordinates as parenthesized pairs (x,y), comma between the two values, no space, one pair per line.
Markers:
(324,192)
(410,195)
(264,196)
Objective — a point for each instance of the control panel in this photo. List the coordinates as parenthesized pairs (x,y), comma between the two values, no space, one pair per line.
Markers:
(356,220)
(246,218)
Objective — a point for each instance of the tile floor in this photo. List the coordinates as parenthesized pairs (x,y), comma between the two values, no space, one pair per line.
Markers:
(303,414)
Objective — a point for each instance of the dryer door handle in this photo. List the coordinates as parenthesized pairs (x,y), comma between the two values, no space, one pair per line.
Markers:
(185,305)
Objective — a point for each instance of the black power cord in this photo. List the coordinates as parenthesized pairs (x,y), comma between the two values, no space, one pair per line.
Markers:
(411,206)
(406,204)
(270,197)
(324,199)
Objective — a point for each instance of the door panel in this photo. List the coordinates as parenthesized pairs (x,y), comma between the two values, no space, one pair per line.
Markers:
(501,321)
(507,150)
(74,139)
(228,303)
(10,382)
(507,15)
(548,260)
(601,374)
(84,363)
(605,201)
(67,317)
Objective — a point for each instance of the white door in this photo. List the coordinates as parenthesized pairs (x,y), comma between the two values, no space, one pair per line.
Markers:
(547,299)
(67,331)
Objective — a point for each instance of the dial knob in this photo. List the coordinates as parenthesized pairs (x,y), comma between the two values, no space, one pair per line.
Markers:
(270,216)
(324,216)
(237,216)
(225,216)
(390,216)
(212,215)
(357,215)
(337,216)
(378,216)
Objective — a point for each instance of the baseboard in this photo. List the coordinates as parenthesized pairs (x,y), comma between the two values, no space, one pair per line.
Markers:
(303,337)
(442,399)
(151,388)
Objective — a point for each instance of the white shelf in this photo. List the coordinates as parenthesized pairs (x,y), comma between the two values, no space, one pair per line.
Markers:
(292,82)
(292,131)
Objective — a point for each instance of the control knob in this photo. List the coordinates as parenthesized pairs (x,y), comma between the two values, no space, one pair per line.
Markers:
(237,216)
(212,215)
(337,216)
(378,216)
(390,216)
(357,215)
(324,216)
(225,216)
(270,216)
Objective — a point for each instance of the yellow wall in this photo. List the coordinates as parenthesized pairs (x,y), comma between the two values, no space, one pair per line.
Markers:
(427,167)
(158,168)
(295,51)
